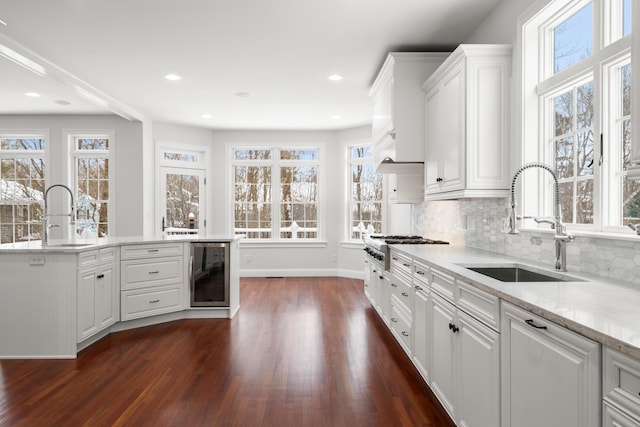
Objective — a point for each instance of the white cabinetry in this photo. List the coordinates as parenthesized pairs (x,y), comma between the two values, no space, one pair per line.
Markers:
(621,389)
(398,121)
(152,279)
(97,290)
(467,124)
(465,351)
(550,375)
(421,320)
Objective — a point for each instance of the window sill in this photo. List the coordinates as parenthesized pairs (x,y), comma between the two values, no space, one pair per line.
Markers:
(352,244)
(630,236)
(246,243)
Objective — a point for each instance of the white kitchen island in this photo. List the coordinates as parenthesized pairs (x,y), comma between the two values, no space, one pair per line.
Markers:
(59,299)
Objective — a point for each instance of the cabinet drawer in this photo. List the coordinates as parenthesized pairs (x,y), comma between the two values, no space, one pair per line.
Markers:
(443,284)
(422,275)
(479,304)
(154,272)
(108,255)
(621,382)
(402,291)
(401,327)
(151,251)
(88,259)
(400,265)
(137,304)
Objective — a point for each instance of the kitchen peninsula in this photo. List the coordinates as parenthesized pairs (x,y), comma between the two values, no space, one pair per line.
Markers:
(57,299)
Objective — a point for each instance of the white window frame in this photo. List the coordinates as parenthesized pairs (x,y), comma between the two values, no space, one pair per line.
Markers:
(349,163)
(74,154)
(276,163)
(539,84)
(42,154)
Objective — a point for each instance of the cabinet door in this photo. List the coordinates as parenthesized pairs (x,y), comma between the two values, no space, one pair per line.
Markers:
(433,141)
(367,277)
(421,331)
(451,113)
(382,121)
(442,355)
(86,303)
(107,309)
(551,376)
(478,394)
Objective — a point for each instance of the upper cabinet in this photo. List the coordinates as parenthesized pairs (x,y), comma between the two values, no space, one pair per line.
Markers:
(467,124)
(397,126)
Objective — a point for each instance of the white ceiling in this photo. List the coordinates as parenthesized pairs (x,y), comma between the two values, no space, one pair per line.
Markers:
(279,51)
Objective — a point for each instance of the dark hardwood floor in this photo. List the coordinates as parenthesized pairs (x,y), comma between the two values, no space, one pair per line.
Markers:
(300,352)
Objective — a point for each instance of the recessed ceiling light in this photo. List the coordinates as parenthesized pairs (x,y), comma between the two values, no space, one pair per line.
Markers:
(62,102)
(32,94)
(336,117)
(3,23)
(243,94)
(173,77)
(206,116)
(335,77)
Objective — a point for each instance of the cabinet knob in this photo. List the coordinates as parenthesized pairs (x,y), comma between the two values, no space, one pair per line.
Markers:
(394,320)
(438,179)
(393,285)
(381,277)
(100,276)
(453,327)
(404,294)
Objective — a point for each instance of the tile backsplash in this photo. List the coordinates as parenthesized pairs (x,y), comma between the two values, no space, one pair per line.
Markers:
(477,223)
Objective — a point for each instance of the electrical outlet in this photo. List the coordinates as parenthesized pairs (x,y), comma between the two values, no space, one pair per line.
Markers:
(334,258)
(247,258)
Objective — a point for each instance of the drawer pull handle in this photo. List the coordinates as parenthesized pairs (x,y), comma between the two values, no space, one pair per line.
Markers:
(154,301)
(420,272)
(100,276)
(153,250)
(418,288)
(406,265)
(393,285)
(404,333)
(530,322)
(394,258)
(394,320)
(154,272)
(453,327)
(375,271)
(404,294)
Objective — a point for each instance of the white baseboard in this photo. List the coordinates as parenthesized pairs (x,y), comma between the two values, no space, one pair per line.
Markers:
(292,272)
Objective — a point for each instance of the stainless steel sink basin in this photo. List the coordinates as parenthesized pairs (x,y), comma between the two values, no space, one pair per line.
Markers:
(518,273)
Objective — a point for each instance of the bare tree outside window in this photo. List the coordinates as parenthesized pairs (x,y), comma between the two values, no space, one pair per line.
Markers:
(284,178)
(91,156)
(366,192)
(22,185)
(573,152)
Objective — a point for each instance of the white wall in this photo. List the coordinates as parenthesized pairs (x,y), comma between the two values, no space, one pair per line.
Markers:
(501,25)
(128,191)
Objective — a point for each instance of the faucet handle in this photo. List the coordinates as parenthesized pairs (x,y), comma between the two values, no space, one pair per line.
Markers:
(545,220)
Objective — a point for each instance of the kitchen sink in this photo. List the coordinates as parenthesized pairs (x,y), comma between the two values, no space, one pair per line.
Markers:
(518,273)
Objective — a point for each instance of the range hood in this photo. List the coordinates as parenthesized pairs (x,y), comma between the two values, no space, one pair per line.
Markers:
(388,165)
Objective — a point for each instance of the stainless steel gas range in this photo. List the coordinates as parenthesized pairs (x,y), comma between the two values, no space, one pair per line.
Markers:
(377,245)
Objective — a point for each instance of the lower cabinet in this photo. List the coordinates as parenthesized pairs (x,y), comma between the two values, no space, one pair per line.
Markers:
(442,354)
(98,303)
(421,322)
(152,279)
(550,375)
(620,389)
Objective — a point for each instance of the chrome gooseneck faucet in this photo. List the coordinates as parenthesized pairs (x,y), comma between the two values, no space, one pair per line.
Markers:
(561,237)
(45,224)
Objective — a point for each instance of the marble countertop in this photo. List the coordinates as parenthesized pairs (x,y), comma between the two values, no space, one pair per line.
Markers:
(81,245)
(604,310)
